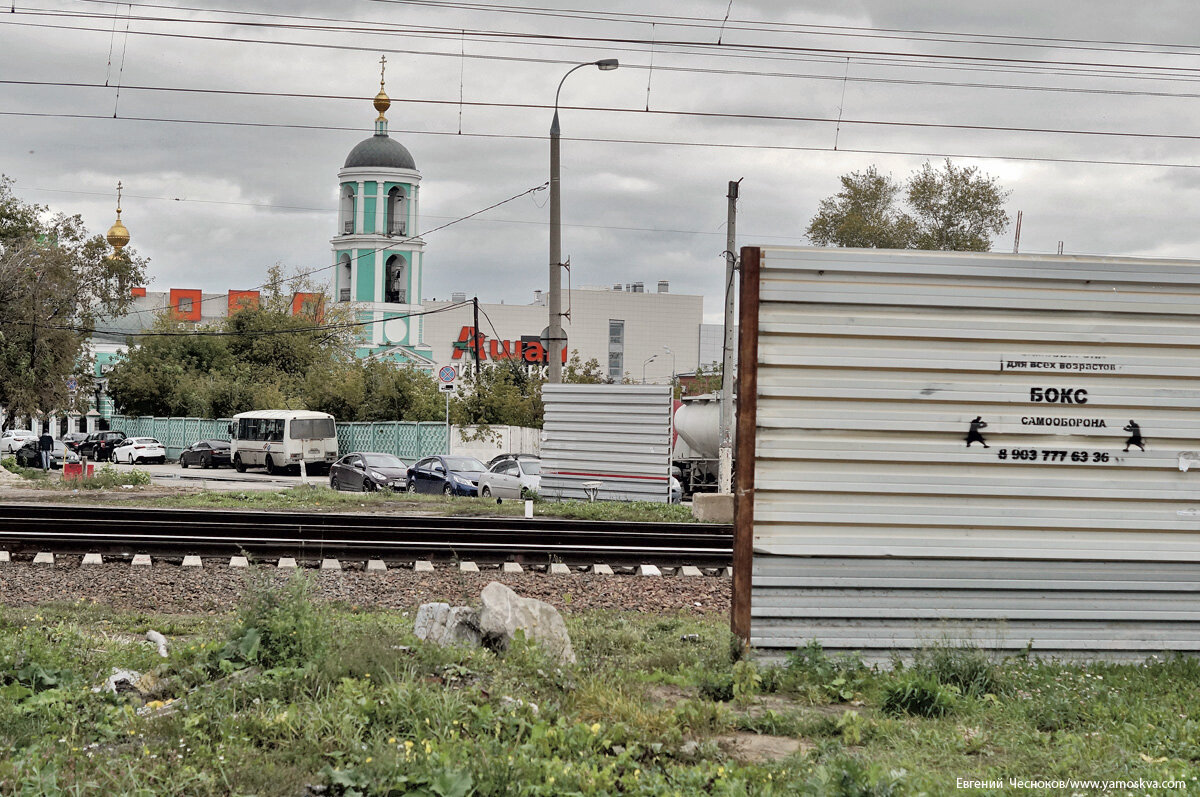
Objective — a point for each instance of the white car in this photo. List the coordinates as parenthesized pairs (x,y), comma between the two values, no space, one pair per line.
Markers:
(517,477)
(139,449)
(15,438)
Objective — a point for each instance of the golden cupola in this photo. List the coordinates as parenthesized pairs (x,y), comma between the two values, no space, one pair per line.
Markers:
(118,235)
(382,100)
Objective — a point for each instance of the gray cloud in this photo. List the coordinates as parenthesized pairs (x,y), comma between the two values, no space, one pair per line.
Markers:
(631,211)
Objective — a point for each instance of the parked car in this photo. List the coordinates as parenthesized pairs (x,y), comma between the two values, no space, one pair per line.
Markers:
(30,456)
(367,471)
(511,477)
(501,457)
(206,454)
(446,475)
(139,449)
(72,439)
(676,491)
(15,438)
(99,445)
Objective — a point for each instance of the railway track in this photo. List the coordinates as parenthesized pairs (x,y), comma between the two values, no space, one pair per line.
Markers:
(117,531)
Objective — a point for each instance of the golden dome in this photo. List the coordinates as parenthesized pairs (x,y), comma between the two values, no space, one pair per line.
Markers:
(118,235)
(382,102)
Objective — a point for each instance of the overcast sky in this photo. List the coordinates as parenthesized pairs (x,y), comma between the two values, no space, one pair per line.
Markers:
(1034,93)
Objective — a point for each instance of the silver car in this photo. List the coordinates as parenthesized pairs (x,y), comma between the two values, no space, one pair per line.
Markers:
(516,477)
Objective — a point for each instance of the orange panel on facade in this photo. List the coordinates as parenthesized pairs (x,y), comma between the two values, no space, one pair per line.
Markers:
(136,292)
(185,304)
(241,300)
(310,304)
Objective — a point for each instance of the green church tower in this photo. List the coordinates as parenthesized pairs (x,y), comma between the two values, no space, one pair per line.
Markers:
(378,251)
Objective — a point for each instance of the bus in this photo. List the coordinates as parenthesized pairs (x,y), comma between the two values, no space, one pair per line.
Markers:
(280,440)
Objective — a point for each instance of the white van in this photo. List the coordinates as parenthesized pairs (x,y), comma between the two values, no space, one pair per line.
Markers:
(281,439)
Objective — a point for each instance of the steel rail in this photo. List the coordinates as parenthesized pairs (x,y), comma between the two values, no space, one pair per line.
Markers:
(69,529)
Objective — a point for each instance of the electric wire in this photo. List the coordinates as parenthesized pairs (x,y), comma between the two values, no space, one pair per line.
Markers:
(647,142)
(389,245)
(760,117)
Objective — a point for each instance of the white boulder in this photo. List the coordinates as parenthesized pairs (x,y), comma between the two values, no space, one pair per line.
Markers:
(504,612)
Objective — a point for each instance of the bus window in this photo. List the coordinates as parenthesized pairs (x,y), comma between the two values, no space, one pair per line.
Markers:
(313,428)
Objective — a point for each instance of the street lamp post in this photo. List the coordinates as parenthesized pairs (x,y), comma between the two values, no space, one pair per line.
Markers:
(554,334)
(649,360)
(667,349)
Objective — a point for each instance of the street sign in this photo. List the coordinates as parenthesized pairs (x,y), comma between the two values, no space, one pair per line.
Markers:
(447,376)
(446,387)
(72,384)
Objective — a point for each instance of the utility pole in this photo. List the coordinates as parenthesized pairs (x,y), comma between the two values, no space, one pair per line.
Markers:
(725,452)
(1017,235)
(477,344)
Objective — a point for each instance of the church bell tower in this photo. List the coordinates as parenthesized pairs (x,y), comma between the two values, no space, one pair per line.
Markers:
(376,246)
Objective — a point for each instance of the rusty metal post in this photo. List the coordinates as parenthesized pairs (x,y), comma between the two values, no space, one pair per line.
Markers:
(747,421)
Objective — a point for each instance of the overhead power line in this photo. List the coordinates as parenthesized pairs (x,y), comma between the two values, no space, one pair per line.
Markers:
(390,245)
(262,333)
(758,117)
(647,142)
(1058,66)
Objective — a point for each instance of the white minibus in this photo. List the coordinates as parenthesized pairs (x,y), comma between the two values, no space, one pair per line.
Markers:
(282,439)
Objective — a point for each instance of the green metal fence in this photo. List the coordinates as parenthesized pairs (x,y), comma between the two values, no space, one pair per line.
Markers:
(408,440)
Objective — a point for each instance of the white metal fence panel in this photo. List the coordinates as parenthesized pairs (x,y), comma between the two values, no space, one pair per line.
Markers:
(616,435)
(1004,446)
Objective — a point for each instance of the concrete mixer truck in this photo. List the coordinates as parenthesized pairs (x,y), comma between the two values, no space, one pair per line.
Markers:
(697,442)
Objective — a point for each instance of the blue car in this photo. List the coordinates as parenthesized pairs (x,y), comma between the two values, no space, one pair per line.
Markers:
(446,475)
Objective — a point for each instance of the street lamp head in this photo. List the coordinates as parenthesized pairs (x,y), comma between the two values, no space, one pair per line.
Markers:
(608,64)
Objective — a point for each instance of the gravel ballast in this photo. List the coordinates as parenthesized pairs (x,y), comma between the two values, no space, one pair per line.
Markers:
(166,587)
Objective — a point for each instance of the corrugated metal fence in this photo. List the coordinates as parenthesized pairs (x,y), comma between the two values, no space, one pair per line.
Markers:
(950,447)
(408,440)
(618,436)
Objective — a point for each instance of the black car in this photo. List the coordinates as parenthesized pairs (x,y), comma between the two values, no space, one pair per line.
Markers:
(446,475)
(99,446)
(206,454)
(72,439)
(30,456)
(366,471)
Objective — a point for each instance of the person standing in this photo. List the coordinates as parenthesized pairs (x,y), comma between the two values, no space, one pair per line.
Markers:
(46,448)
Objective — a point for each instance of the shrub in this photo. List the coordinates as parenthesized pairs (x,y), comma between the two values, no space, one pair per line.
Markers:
(920,696)
(850,778)
(838,677)
(281,626)
(968,669)
(717,687)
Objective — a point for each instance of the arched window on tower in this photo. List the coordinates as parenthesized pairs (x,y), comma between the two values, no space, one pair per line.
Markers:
(344,276)
(397,280)
(347,211)
(397,212)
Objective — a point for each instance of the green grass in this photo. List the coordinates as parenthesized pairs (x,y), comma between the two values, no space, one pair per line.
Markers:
(104,477)
(320,499)
(289,691)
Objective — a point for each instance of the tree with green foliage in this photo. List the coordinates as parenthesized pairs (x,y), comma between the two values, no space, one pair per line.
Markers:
(56,279)
(954,208)
(260,357)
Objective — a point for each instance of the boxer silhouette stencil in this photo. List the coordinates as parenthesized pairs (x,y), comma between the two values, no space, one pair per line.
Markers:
(973,435)
(1135,437)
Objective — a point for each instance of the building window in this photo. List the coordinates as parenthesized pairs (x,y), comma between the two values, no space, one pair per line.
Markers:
(185,305)
(396,287)
(397,213)
(347,210)
(616,348)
